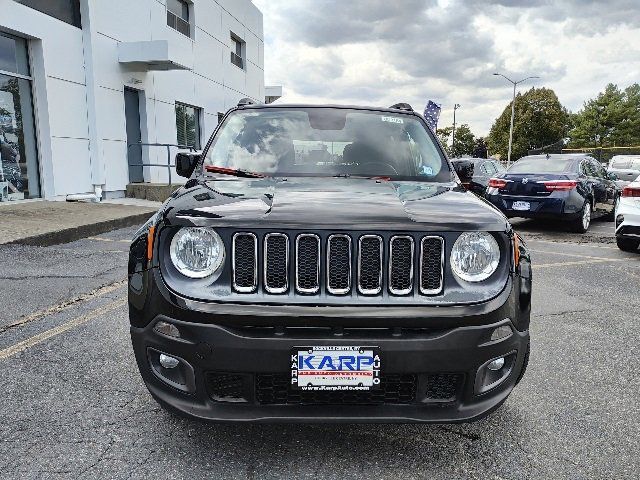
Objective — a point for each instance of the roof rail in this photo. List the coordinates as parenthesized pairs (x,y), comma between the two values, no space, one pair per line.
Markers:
(402,106)
(247,101)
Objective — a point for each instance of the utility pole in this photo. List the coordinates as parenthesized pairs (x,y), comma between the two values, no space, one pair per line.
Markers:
(513,110)
(453,141)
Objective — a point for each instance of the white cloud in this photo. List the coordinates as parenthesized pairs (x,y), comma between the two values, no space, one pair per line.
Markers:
(379,52)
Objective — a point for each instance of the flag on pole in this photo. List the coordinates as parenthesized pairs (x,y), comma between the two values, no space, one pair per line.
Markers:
(432,114)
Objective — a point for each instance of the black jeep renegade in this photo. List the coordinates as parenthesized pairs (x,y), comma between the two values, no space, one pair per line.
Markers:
(323,264)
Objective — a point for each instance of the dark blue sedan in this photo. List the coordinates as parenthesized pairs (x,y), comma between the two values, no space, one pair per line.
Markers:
(572,188)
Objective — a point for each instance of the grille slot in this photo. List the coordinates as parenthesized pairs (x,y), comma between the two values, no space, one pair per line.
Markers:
(401,265)
(339,264)
(308,263)
(245,262)
(274,389)
(431,265)
(276,263)
(370,265)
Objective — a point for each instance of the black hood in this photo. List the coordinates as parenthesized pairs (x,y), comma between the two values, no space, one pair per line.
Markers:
(337,203)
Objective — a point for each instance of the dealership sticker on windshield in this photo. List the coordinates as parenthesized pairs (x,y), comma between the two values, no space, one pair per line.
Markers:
(392,119)
(335,368)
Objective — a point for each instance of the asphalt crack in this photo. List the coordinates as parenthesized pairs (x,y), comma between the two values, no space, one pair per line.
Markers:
(60,307)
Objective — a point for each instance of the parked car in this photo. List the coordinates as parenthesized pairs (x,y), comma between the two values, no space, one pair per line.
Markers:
(625,167)
(371,287)
(573,188)
(474,173)
(628,218)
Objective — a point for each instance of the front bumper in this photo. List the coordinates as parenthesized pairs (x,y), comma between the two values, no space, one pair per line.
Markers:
(222,347)
(628,219)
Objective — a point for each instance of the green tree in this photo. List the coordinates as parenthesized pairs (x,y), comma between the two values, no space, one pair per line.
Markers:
(612,119)
(465,142)
(444,135)
(540,120)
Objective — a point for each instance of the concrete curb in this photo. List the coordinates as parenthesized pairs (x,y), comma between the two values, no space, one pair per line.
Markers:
(82,231)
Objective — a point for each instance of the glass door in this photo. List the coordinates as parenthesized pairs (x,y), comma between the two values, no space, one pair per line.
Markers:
(19,175)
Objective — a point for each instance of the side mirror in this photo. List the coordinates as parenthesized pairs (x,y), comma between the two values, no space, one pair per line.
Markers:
(613,176)
(186,163)
(464,171)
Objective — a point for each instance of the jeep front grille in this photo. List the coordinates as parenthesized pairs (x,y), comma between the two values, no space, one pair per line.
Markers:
(338,264)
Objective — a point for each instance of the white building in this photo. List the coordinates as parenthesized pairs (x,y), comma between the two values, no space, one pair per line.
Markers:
(80,80)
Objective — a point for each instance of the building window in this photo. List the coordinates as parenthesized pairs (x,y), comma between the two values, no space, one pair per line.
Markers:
(66,10)
(18,156)
(178,16)
(237,51)
(188,125)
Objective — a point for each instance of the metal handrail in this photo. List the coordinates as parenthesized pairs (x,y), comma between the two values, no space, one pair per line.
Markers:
(168,146)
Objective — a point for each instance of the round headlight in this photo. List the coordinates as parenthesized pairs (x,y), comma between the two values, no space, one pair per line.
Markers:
(475,256)
(197,252)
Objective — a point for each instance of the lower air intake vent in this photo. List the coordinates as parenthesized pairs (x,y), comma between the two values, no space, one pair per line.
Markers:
(274,389)
(443,386)
(224,387)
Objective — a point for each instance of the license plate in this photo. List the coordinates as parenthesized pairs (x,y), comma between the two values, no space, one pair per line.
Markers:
(335,368)
(521,206)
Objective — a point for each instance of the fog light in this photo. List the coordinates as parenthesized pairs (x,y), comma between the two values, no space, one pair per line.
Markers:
(496,365)
(168,329)
(169,362)
(501,332)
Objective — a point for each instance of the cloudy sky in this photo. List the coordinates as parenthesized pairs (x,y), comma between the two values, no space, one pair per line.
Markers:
(379,52)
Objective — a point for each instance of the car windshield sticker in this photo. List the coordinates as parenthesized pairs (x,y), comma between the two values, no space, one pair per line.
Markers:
(392,119)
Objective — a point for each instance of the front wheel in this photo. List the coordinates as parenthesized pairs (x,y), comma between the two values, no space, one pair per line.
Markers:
(627,244)
(582,223)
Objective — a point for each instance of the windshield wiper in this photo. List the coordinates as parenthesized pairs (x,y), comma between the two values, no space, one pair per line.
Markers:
(370,177)
(233,171)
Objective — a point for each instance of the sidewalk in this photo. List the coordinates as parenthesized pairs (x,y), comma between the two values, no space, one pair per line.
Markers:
(44,223)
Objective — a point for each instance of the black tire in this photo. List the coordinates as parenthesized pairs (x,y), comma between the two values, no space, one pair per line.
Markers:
(627,244)
(525,363)
(580,225)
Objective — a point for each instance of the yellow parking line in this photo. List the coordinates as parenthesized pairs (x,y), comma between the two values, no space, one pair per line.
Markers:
(571,255)
(99,239)
(97,293)
(41,337)
(578,262)
(586,245)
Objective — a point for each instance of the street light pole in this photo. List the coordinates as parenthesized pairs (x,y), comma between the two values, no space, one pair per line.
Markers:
(513,110)
(453,141)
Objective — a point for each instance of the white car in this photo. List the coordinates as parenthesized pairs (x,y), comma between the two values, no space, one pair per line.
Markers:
(625,167)
(628,218)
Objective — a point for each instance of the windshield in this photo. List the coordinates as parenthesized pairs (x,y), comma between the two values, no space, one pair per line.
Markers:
(328,142)
(542,165)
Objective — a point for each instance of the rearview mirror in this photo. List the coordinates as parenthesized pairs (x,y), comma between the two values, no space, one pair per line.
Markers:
(186,163)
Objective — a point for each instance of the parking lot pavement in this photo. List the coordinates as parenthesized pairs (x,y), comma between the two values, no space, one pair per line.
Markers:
(74,406)
(600,231)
